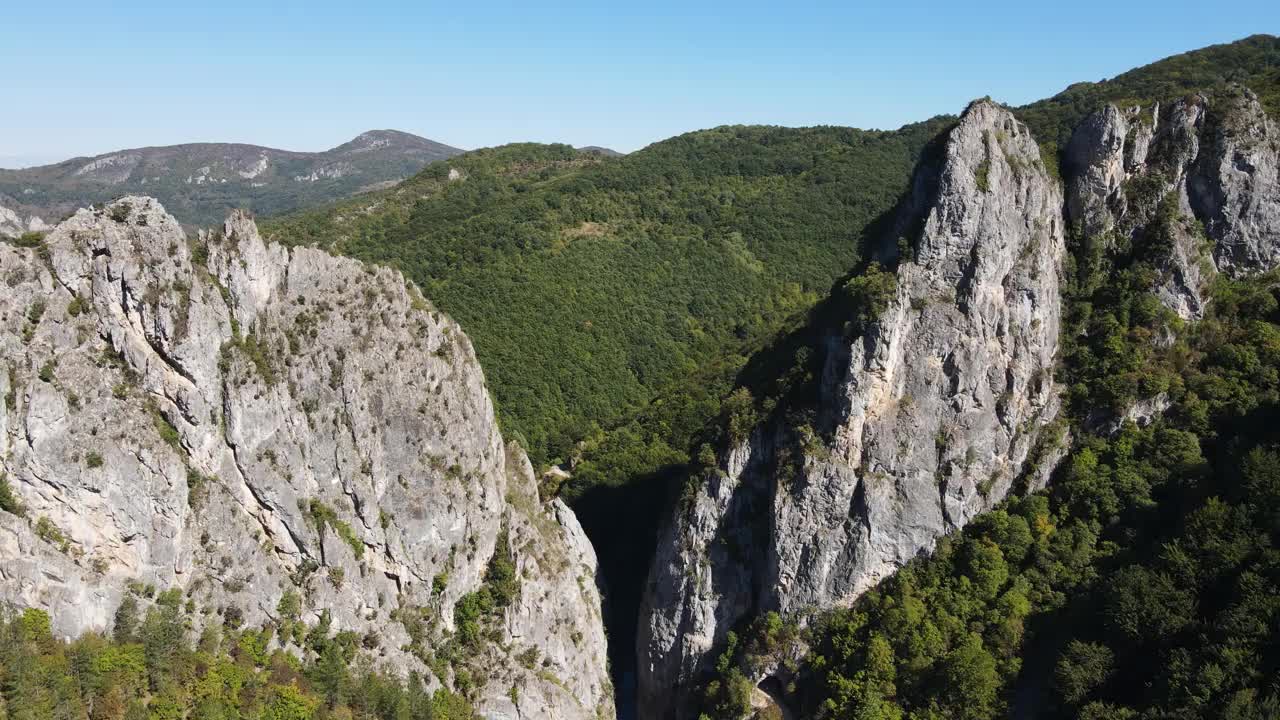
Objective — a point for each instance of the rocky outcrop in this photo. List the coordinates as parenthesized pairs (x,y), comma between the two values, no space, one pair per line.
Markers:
(922,421)
(1099,166)
(1235,186)
(1192,185)
(246,422)
(13,225)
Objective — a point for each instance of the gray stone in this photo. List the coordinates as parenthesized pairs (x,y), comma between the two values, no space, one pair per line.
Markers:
(925,420)
(13,224)
(1214,160)
(1095,162)
(930,416)
(1234,188)
(180,406)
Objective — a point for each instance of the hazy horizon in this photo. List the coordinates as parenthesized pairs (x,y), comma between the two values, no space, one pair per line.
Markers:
(97,79)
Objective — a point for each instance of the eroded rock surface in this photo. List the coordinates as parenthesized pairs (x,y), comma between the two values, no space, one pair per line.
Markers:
(240,421)
(923,421)
(927,416)
(1198,176)
(13,224)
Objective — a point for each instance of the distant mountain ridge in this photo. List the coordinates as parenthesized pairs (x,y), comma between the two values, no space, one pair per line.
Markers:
(200,182)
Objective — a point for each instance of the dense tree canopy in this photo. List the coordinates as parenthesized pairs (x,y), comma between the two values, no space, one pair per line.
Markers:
(1140,584)
(588,283)
(150,669)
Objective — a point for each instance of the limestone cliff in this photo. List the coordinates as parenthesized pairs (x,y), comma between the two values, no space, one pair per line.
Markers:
(196,180)
(13,225)
(923,420)
(1198,175)
(925,416)
(242,422)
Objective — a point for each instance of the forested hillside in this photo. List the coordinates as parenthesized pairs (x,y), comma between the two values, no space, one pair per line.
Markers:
(616,302)
(201,182)
(637,316)
(589,282)
(1140,584)
(612,301)
(603,291)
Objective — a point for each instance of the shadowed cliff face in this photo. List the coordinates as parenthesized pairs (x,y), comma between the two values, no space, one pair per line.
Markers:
(241,422)
(923,420)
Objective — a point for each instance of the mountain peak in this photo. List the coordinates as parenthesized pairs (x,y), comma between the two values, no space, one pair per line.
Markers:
(390,140)
(388,134)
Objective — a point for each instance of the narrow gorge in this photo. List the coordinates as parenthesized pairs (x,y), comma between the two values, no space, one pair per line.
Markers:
(915,492)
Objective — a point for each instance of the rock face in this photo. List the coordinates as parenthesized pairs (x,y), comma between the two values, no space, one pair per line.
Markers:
(242,421)
(1235,188)
(926,417)
(923,421)
(12,224)
(1199,175)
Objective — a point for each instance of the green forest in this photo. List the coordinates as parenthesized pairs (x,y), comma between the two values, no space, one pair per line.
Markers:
(633,314)
(1140,584)
(629,372)
(587,283)
(153,667)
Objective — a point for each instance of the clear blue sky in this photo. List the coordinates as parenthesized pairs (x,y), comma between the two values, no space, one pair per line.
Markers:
(83,78)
